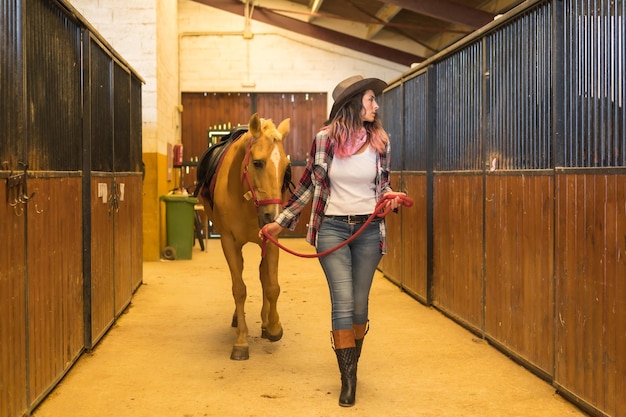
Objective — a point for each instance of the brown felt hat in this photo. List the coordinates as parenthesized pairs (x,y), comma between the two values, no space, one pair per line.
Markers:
(350,87)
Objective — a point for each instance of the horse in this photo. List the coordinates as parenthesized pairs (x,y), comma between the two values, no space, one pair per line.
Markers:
(241,192)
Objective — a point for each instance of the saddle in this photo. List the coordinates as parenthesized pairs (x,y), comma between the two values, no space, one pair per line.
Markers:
(210,160)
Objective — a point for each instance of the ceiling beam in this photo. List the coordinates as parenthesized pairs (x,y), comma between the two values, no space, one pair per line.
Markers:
(384,14)
(317,32)
(446,11)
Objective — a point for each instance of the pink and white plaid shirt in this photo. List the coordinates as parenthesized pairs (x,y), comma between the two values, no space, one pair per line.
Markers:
(315,184)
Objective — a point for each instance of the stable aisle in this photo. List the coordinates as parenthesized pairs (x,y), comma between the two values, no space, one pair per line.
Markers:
(168,354)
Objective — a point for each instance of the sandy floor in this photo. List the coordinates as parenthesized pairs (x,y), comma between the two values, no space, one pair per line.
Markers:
(168,355)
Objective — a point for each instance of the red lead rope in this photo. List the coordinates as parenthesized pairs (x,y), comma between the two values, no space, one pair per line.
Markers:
(381,210)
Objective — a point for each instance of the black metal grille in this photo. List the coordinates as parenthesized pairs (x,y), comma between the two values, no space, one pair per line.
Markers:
(595,64)
(53,88)
(11,145)
(121,108)
(99,93)
(392,121)
(136,127)
(458,105)
(518,88)
(416,123)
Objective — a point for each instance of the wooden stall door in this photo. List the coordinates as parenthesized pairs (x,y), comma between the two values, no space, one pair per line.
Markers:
(123,241)
(102,308)
(134,200)
(13,400)
(115,247)
(458,247)
(414,237)
(519,247)
(590,340)
(55,280)
(391,263)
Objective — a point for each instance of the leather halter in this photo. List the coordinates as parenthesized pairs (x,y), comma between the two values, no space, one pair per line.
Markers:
(246,179)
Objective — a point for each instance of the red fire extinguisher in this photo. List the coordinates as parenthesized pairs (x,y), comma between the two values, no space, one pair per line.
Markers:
(178,154)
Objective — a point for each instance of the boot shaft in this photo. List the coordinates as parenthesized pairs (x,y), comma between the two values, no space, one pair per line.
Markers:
(347,360)
(343,338)
(360,330)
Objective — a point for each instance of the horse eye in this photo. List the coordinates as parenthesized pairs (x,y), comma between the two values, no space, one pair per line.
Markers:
(258,163)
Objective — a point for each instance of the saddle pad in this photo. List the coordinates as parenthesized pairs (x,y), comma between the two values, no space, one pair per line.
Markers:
(209,162)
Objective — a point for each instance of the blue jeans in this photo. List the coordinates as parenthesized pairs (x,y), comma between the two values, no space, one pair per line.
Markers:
(349,270)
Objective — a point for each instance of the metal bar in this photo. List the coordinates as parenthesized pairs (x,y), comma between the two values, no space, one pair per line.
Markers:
(559,85)
(86,197)
(472,37)
(431,115)
(620,76)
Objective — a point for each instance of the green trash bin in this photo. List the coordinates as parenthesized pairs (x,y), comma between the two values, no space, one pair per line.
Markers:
(179,220)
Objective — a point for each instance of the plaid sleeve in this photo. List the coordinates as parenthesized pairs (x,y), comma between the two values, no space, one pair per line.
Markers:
(290,215)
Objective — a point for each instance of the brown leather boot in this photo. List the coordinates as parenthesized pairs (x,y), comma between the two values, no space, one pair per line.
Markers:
(345,349)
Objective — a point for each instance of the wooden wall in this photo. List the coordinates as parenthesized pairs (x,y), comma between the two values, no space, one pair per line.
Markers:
(457,280)
(405,263)
(13,362)
(204,112)
(414,236)
(61,290)
(523,231)
(55,285)
(590,324)
(391,263)
(519,265)
(116,264)
(534,263)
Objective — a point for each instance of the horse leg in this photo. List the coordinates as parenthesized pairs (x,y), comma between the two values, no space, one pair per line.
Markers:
(271,328)
(234,258)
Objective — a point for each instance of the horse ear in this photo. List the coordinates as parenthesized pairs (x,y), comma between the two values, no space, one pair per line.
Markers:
(254,125)
(283,127)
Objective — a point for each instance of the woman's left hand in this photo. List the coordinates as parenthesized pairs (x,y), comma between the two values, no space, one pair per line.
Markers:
(393,199)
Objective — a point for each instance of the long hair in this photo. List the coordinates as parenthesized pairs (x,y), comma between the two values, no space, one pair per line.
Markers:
(347,127)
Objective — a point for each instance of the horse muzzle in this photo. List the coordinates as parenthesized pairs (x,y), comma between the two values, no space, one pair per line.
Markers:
(267,213)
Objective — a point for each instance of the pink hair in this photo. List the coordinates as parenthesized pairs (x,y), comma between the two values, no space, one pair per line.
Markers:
(347,128)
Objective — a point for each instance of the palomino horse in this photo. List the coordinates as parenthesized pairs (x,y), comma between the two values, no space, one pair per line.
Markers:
(241,196)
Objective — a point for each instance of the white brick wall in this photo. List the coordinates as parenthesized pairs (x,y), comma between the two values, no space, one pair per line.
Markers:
(168,96)
(131,29)
(216,57)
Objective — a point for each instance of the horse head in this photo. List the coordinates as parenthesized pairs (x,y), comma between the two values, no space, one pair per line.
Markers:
(266,166)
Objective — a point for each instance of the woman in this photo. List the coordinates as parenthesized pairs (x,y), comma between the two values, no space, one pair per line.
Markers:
(347,173)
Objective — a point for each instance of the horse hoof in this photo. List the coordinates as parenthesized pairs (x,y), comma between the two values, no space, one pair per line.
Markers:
(272,338)
(239,353)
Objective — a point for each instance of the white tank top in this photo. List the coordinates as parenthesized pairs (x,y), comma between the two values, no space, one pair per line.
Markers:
(352,188)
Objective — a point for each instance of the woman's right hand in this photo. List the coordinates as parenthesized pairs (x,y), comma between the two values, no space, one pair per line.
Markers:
(393,199)
(273,229)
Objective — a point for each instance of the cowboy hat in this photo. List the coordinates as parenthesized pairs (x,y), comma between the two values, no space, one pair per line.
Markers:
(350,87)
